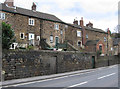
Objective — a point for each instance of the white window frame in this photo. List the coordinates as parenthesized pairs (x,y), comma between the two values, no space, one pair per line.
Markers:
(33,36)
(66,26)
(79,41)
(105,39)
(2,15)
(15,45)
(51,38)
(23,36)
(31,21)
(78,33)
(38,38)
(86,36)
(61,31)
(56,26)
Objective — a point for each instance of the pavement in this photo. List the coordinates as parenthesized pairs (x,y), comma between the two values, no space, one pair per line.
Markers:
(100,77)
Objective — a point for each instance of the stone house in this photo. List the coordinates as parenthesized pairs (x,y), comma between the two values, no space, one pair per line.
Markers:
(31,26)
(91,39)
(73,35)
(116,46)
(43,31)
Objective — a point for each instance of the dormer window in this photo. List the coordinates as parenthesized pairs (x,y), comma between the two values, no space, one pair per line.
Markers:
(2,16)
(31,21)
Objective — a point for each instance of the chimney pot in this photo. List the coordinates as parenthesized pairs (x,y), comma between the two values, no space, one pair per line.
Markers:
(108,31)
(10,3)
(75,22)
(89,24)
(81,22)
(34,7)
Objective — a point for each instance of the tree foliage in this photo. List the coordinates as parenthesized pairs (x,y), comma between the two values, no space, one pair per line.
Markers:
(7,35)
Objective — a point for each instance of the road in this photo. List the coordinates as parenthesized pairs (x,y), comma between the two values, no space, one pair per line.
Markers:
(101,77)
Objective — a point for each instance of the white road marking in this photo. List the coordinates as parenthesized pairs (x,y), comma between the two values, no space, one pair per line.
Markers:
(57,78)
(78,84)
(45,80)
(113,66)
(106,76)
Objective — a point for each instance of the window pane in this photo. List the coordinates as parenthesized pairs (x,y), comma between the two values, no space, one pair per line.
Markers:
(3,15)
(51,38)
(79,43)
(21,35)
(79,33)
(61,32)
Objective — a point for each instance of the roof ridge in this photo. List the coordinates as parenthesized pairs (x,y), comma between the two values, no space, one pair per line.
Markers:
(28,12)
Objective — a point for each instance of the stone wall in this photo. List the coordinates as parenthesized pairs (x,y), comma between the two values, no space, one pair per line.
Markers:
(23,64)
(106,61)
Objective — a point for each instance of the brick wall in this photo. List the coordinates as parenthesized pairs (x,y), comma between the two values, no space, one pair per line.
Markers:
(92,35)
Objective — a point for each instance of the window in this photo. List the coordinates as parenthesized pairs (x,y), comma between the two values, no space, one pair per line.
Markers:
(38,38)
(61,32)
(31,39)
(22,36)
(100,47)
(86,36)
(31,21)
(56,26)
(79,43)
(66,26)
(13,45)
(51,38)
(78,33)
(31,36)
(104,39)
(2,15)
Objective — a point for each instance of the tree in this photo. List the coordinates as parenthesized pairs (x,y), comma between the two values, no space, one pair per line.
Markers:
(7,35)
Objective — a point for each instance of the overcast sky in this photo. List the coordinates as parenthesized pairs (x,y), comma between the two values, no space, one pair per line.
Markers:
(102,13)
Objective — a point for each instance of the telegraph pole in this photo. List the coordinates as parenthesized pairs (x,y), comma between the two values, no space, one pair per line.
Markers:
(107,47)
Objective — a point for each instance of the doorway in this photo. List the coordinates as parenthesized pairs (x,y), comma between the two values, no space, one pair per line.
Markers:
(93,61)
(56,40)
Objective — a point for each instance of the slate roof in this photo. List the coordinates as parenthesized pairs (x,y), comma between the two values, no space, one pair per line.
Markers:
(116,41)
(91,42)
(95,29)
(74,25)
(30,13)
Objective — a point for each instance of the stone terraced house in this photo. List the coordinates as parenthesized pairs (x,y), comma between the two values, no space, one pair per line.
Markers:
(46,31)
(91,39)
(31,26)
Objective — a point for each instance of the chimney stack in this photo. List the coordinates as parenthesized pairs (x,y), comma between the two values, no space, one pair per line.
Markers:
(108,31)
(89,24)
(75,22)
(81,22)
(9,3)
(34,7)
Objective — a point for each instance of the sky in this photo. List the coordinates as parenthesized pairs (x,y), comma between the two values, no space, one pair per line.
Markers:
(102,13)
